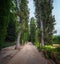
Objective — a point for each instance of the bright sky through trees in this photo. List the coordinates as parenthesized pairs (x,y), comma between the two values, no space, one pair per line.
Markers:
(56,12)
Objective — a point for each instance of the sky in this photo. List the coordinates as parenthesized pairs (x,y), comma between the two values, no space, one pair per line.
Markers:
(32,8)
(55,12)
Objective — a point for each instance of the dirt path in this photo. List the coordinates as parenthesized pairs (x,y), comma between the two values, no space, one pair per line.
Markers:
(28,55)
(7,53)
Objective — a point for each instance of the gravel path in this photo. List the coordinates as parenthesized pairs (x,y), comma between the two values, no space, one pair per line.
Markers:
(28,55)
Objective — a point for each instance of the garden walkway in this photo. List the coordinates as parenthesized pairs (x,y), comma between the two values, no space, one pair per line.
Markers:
(27,55)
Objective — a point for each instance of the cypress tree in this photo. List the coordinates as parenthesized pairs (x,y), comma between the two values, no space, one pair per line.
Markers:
(24,19)
(12,26)
(5,6)
(32,30)
(45,20)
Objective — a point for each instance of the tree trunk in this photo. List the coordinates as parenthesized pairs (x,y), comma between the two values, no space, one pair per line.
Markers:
(19,33)
(18,41)
(42,34)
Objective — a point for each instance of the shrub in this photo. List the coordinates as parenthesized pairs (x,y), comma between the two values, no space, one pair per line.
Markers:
(52,53)
(48,51)
(58,49)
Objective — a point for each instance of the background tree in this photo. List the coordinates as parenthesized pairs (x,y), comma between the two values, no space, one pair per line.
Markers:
(45,20)
(56,39)
(38,14)
(32,30)
(49,20)
(17,3)
(24,19)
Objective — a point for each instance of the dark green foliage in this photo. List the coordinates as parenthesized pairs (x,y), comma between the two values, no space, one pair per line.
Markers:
(37,14)
(24,19)
(52,53)
(56,39)
(11,29)
(43,12)
(57,55)
(7,44)
(49,20)
(58,49)
(12,26)
(4,18)
(48,51)
(32,30)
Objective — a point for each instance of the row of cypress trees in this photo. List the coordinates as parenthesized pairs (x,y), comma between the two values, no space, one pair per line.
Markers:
(15,13)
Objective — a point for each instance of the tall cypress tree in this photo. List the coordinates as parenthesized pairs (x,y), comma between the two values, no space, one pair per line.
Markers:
(12,26)
(43,9)
(38,13)
(17,2)
(32,30)
(49,20)
(4,18)
(24,17)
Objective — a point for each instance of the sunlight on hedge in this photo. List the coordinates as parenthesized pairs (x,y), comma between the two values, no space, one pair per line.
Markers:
(49,46)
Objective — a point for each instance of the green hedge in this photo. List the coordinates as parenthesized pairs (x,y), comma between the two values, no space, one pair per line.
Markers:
(6,44)
(52,53)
